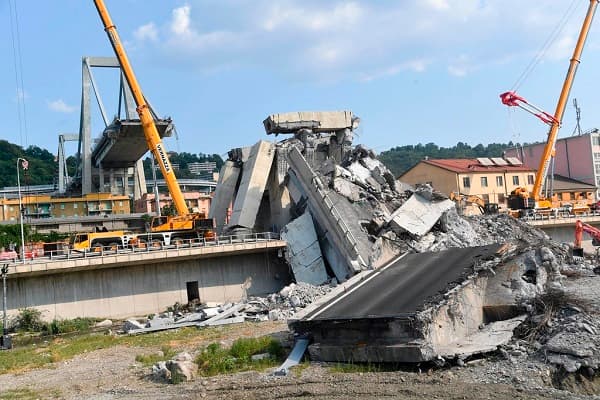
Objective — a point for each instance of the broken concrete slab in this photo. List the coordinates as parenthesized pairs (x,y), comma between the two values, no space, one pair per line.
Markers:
(224,192)
(418,215)
(252,186)
(303,251)
(417,314)
(316,121)
(484,340)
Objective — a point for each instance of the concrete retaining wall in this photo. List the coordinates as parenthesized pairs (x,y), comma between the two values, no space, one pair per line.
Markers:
(144,289)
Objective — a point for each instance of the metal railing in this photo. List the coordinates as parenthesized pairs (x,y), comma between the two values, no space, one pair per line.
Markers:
(105,251)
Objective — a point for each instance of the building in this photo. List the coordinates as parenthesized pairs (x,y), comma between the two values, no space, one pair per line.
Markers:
(577,157)
(46,206)
(195,201)
(490,179)
(493,180)
(202,168)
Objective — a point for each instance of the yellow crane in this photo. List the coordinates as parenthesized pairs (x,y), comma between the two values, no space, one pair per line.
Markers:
(512,99)
(184,224)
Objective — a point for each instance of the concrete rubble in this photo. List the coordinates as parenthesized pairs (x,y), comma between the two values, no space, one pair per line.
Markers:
(345,216)
(180,368)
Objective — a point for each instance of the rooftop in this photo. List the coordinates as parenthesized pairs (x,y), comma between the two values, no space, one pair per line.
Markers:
(466,165)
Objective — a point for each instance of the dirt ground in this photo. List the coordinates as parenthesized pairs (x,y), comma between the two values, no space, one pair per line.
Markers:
(114,374)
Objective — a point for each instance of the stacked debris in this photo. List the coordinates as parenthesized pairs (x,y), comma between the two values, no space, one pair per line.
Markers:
(275,307)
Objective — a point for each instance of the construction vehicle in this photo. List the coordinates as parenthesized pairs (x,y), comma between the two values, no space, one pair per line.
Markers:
(163,229)
(520,198)
(469,201)
(102,240)
(581,227)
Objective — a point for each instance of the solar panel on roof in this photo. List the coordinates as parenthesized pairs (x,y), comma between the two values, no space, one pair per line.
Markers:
(499,161)
(485,161)
(514,161)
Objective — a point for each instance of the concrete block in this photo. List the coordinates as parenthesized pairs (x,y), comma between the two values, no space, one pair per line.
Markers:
(319,121)
(346,189)
(252,186)
(418,215)
(303,250)
(228,178)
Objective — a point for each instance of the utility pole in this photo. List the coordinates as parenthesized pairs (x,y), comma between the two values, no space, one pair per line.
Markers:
(5,340)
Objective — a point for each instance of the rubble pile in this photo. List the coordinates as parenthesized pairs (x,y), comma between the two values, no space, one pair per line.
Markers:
(275,307)
(290,299)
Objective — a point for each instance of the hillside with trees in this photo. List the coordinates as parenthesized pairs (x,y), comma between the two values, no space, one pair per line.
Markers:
(42,169)
(183,159)
(400,159)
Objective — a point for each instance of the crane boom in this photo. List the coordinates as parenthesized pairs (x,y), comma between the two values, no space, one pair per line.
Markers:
(562,101)
(150,132)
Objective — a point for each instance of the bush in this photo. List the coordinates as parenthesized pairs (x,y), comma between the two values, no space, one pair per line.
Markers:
(29,320)
(214,359)
(59,326)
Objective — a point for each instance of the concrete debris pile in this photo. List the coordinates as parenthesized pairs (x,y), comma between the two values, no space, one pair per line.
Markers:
(340,209)
(275,307)
(290,299)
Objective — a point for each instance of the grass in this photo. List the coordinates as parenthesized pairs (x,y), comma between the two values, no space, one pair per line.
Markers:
(28,394)
(150,359)
(58,349)
(215,359)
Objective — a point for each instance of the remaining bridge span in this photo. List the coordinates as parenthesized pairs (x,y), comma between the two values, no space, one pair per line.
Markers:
(139,283)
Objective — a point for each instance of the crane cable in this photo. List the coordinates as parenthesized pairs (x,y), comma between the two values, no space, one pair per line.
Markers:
(546,46)
(18,66)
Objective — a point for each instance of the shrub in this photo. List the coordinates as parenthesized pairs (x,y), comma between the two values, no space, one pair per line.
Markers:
(58,326)
(214,359)
(29,320)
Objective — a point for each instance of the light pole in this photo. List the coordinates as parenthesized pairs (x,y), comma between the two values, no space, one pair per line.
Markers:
(25,165)
(5,340)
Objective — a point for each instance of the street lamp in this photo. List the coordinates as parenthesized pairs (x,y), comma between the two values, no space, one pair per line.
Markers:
(5,340)
(25,165)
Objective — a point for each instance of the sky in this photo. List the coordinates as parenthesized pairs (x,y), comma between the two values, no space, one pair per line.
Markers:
(414,71)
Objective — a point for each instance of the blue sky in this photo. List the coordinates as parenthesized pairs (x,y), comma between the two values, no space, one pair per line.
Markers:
(414,71)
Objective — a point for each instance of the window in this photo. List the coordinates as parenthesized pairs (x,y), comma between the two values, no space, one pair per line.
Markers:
(501,198)
(499,181)
(530,179)
(596,156)
(596,140)
(515,180)
(75,205)
(466,182)
(597,168)
(120,204)
(484,181)
(486,198)
(62,206)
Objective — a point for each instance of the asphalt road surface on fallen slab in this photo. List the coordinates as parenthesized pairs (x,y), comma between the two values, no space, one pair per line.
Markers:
(403,286)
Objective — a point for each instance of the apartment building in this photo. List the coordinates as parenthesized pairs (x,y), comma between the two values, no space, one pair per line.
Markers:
(491,179)
(46,206)
(577,157)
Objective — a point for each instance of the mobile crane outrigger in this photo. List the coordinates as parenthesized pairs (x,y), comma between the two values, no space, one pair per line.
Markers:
(520,198)
(164,229)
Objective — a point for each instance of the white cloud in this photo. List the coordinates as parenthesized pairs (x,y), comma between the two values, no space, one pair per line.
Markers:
(562,48)
(416,65)
(439,5)
(180,24)
(146,32)
(60,106)
(359,39)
